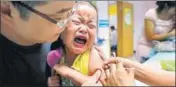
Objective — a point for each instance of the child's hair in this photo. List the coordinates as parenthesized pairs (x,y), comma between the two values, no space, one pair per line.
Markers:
(57,44)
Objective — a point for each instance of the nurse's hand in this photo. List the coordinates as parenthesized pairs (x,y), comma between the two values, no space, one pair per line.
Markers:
(126,62)
(117,75)
(94,80)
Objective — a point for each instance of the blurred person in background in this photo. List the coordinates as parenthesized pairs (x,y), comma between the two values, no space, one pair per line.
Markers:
(159,24)
(113,39)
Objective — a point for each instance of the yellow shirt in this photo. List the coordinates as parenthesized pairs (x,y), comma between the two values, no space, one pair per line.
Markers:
(81,63)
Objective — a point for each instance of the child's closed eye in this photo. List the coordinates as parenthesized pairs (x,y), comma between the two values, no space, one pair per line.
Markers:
(76,22)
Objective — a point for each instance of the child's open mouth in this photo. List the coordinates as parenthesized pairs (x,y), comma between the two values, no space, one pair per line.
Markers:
(80,41)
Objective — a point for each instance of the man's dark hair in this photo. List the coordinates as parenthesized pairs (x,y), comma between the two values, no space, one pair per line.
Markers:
(24,13)
(164,4)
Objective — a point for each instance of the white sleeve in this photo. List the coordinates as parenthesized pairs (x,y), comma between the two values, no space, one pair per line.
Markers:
(150,14)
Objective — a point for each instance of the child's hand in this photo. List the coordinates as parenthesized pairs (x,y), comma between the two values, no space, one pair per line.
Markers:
(62,70)
(53,81)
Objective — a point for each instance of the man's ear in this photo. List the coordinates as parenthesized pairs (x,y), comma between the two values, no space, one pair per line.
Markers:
(5,8)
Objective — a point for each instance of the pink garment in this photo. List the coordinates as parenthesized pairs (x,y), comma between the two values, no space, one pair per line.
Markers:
(161,27)
(54,57)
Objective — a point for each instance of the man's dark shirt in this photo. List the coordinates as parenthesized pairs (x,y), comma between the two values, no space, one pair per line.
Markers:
(22,65)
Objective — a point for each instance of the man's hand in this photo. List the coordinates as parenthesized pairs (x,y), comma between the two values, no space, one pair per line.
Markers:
(94,80)
(53,81)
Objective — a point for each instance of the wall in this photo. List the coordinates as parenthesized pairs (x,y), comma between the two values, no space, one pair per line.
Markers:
(103,27)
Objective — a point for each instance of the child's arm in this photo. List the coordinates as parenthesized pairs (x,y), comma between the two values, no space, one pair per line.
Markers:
(95,63)
(71,74)
(54,57)
(76,76)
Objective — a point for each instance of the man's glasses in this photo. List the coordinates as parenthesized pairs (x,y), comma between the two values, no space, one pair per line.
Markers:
(61,23)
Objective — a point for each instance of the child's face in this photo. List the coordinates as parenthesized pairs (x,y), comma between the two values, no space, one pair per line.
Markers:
(80,33)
